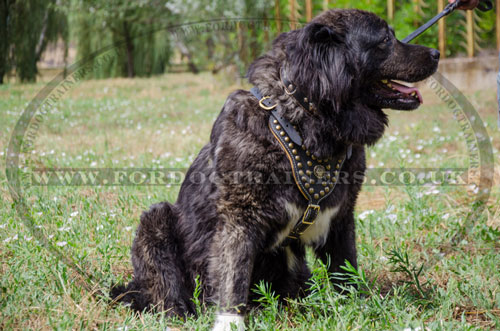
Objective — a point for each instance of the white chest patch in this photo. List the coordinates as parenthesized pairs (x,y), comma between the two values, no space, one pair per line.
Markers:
(317,233)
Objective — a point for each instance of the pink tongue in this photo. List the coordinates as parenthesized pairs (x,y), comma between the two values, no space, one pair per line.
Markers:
(407,90)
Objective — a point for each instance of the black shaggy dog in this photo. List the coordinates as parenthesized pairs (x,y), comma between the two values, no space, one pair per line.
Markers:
(230,232)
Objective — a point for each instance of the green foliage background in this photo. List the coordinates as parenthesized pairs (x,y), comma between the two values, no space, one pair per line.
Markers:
(140,29)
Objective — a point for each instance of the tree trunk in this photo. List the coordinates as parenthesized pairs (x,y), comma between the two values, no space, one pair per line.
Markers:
(4,38)
(266,31)
(242,42)
(277,15)
(42,41)
(470,33)
(390,10)
(254,44)
(186,53)
(129,46)
(498,24)
(442,31)
(309,10)
(293,17)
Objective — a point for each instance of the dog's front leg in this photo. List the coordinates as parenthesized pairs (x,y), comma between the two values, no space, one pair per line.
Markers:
(231,265)
(340,245)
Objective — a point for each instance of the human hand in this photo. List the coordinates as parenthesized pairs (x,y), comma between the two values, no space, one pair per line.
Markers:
(466,4)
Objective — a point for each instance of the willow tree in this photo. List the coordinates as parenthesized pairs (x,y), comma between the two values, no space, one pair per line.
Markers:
(134,26)
(5,31)
(21,43)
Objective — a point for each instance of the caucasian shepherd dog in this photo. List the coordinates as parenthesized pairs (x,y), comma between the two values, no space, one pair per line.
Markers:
(330,80)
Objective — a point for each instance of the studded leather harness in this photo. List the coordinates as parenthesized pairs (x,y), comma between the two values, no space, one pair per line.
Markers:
(315,178)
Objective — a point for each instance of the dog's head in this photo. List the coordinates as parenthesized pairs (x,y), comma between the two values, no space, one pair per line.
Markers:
(345,55)
(345,61)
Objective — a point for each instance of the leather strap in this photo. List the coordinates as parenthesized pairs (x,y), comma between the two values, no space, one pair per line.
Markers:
(294,91)
(270,105)
(315,178)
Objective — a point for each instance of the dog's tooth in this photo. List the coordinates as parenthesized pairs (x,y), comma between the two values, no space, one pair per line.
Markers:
(385,81)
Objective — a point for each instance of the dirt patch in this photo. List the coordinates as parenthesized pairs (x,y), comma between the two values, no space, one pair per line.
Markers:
(474,316)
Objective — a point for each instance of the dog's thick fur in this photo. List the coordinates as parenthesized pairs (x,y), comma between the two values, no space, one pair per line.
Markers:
(228,232)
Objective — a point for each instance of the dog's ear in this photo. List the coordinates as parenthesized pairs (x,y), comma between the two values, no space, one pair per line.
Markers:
(321,33)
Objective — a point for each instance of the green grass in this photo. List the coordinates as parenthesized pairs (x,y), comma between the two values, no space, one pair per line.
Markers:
(411,273)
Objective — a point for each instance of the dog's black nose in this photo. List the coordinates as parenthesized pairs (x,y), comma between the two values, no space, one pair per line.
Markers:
(435,54)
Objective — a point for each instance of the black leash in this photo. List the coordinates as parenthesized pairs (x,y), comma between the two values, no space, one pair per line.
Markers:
(484,5)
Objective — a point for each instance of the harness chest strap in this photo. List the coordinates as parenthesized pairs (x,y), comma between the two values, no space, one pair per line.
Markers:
(315,178)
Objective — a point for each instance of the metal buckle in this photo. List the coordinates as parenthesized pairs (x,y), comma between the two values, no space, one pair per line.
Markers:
(316,207)
(264,106)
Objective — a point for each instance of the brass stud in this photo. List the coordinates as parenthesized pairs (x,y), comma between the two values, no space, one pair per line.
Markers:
(316,196)
(297,158)
(334,179)
(304,147)
(313,157)
(309,163)
(312,181)
(308,153)
(287,139)
(301,172)
(290,145)
(294,152)
(338,166)
(320,161)
(307,185)
(275,121)
(328,167)
(282,133)
(322,193)
(295,127)
(327,189)
(340,160)
(336,173)
(323,183)
(299,165)
(311,190)
(304,179)
(331,185)
(278,127)
(309,172)
(306,100)
(328,176)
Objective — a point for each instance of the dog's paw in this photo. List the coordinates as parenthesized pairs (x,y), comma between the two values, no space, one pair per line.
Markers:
(228,322)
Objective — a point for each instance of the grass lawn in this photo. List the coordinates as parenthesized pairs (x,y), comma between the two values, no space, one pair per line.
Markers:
(412,274)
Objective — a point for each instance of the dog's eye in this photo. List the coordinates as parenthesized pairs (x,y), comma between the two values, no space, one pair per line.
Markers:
(386,40)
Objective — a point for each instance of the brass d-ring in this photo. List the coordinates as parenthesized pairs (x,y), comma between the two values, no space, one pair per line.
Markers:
(264,106)
(288,92)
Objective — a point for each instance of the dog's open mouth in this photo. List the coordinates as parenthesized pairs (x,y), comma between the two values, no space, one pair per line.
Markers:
(389,94)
